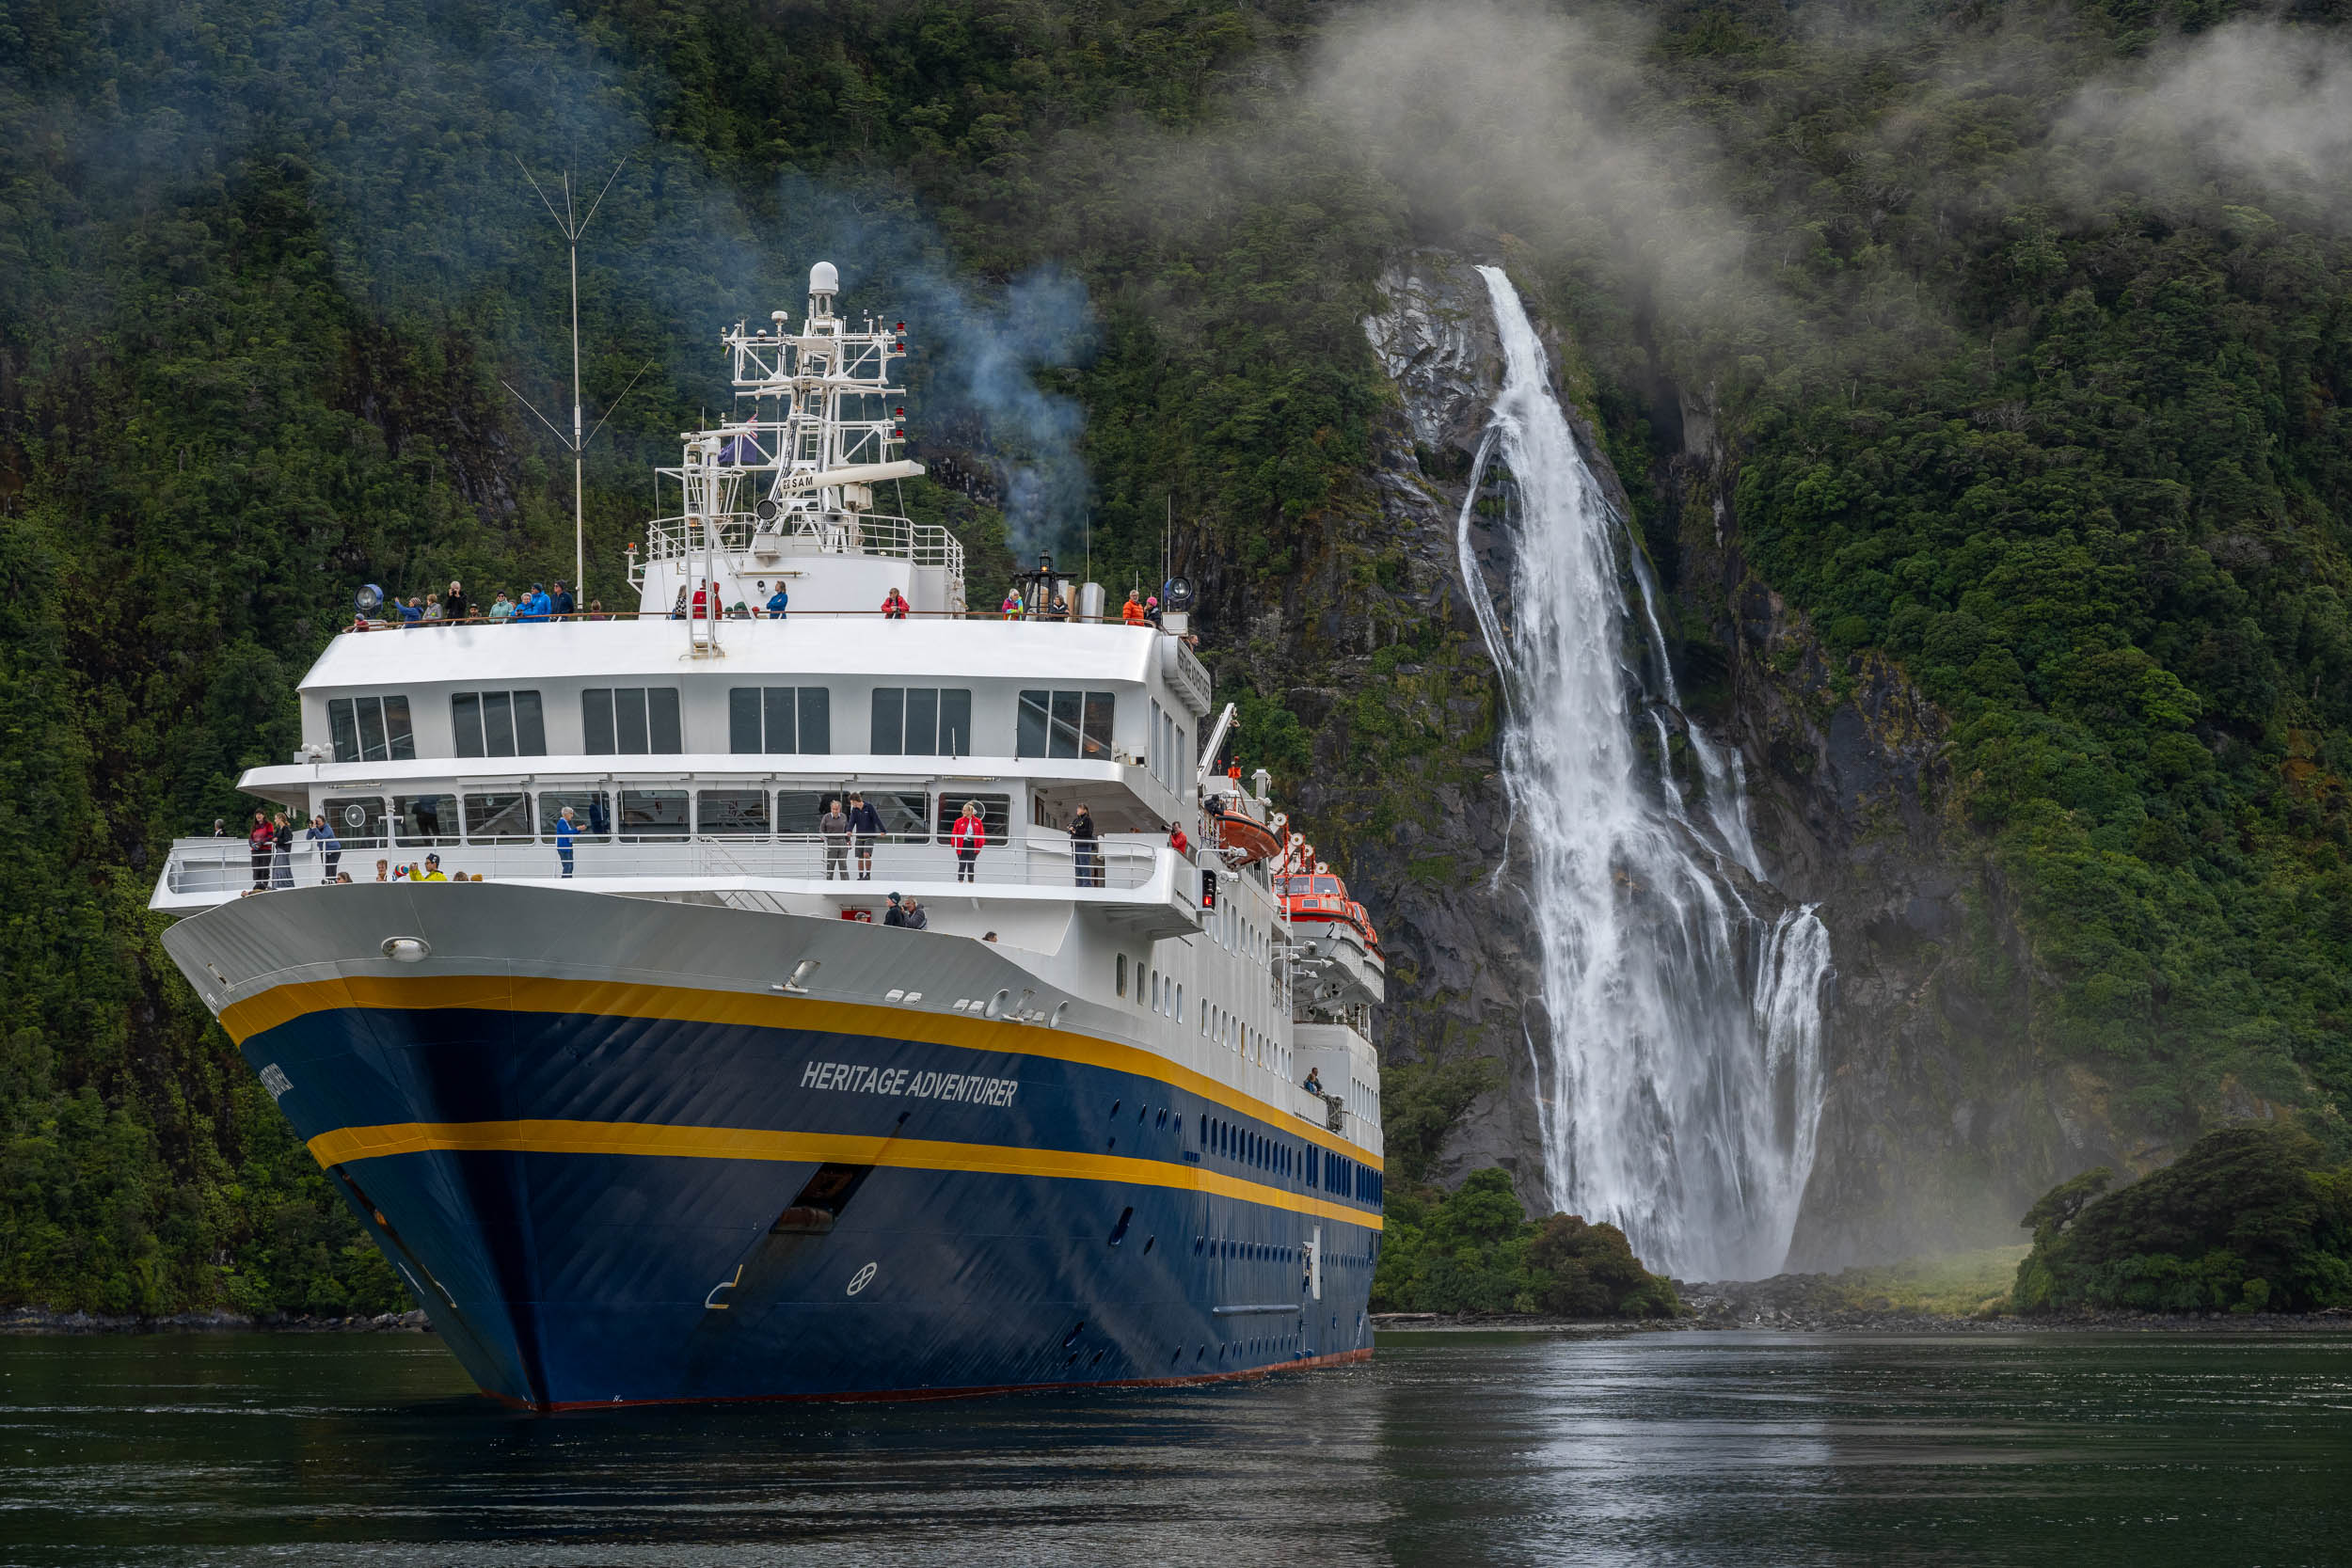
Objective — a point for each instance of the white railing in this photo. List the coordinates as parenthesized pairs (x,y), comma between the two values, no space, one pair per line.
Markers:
(225,865)
(833,533)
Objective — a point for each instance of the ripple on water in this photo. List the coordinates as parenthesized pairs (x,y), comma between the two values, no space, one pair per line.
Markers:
(1655,1448)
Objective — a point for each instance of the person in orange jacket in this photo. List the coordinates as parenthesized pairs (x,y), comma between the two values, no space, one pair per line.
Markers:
(1177,841)
(1131,613)
(969,836)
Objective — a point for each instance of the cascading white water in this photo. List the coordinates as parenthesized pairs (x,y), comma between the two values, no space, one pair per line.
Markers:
(1681,1079)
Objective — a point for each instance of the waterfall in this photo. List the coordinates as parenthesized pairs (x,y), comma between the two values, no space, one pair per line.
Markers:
(1679,1081)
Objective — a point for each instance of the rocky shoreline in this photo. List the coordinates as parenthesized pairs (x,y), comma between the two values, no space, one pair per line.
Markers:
(40,1319)
(1716,1313)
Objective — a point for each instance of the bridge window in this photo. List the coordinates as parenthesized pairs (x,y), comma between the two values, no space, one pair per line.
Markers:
(733,813)
(653,813)
(922,721)
(630,720)
(424,819)
(502,819)
(497,724)
(995,813)
(358,819)
(591,813)
(790,720)
(371,729)
(1066,725)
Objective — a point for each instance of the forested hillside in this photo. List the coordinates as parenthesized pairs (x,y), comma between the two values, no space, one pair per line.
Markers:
(2026,335)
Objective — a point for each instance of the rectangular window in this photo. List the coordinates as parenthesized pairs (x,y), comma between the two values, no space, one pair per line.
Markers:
(498,723)
(371,729)
(502,819)
(798,810)
(889,721)
(632,720)
(732,813)
(424,819)
(653,813)
(903,816)
(922,721)
(995,814)
(591,813)
(358,820)
(1066,725)
(780,719)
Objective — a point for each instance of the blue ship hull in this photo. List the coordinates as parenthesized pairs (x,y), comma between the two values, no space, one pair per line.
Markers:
(615,1194)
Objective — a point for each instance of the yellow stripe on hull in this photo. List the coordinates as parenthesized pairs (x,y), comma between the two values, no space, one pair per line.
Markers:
(528,993)
(646,1139)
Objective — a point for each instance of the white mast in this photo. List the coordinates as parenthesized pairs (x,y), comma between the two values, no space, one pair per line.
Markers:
(571,226)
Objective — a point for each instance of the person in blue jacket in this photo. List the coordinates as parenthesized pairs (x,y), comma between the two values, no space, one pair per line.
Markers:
(564,832)
(778,602)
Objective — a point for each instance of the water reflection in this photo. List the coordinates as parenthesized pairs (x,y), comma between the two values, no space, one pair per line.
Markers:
(1700,1448)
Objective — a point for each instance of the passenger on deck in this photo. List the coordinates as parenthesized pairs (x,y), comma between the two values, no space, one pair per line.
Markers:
(1315,1081)
(1058,609)
(917,919)
(383,871)
(433,872)
(1131,613)
(322,834)
(562,605)
(894,605)
(894,915)
(702,599)
(411,613)
(1086,850)
(564,832)
(281,856)
(433,606)
(866,826)
(677,606)
(454,603)
(834,824)
(595,610)
(501,608)
(1152,609)
(778,602)
(1178,842)
(970,837)
(262,842)
(1013,604)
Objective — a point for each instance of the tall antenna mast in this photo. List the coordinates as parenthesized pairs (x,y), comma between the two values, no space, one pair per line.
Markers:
(572,226)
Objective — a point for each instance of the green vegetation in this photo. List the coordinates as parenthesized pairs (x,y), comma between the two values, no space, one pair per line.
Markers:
(1953,1285)
(2069,444)
(2249,1219)
(1475,1250)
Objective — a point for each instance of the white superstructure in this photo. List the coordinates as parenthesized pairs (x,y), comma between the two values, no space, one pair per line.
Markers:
(695,746)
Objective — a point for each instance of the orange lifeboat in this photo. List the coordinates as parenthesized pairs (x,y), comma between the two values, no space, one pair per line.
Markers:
(1313,893)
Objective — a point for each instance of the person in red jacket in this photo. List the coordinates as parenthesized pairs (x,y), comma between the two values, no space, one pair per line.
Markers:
(1178,842)
(970,836)
(894,605)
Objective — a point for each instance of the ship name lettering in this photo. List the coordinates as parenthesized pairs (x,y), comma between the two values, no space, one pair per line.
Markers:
(859,1078)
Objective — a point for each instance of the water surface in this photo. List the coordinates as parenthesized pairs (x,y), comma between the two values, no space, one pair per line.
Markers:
(1682,1447)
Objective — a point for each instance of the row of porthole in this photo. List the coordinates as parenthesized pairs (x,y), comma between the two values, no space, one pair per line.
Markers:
(1241,1349)
(1260,1252)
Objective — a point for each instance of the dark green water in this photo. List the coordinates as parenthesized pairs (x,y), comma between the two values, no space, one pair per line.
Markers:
(1669,1448)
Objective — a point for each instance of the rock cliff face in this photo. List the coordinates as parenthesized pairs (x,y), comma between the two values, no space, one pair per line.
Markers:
(1943,1119)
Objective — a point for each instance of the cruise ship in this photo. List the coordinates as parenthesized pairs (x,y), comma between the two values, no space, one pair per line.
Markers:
(623,1059)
